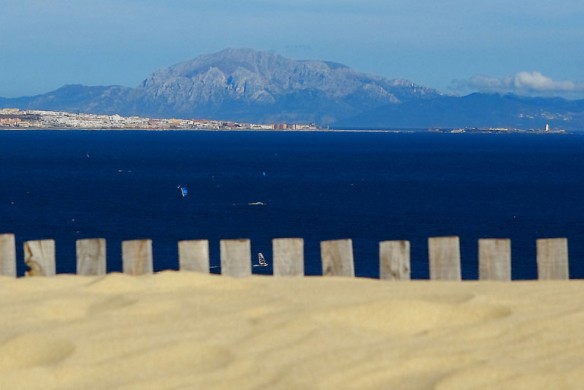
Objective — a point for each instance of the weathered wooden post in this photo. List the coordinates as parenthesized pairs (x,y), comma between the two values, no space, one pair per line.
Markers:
(193,255)
(39,257)
(235,258)
(394,260)
(7,255)
(444,253)
(288,256)
(495,259)
(337,258)
(91,256)
(137,257)
(552,259)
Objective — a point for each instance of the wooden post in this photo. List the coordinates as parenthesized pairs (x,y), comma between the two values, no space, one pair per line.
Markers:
(235,258)
(193,255)
(394,260)
(288,256)
(7,255)
(444,253)
(552,259)
(39,257)
(495,259)
(137,257)
(91,256)
(337,258)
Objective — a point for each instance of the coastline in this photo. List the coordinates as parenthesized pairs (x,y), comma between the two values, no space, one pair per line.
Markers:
(11,118)
(242,130)
(34,120)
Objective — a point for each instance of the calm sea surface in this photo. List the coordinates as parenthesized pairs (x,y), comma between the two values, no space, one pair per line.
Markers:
(122,185)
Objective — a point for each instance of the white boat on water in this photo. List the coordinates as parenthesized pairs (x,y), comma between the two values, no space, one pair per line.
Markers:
(261,261)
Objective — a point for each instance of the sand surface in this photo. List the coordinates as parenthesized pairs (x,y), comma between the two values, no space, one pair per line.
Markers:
(189,331)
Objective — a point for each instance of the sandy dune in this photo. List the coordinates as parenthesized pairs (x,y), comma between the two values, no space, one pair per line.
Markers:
(183,330)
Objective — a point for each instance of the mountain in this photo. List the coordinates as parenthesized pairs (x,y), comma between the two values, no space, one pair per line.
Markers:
(238,84)
(252,85)
(76,98)
(477,110)
(257,86)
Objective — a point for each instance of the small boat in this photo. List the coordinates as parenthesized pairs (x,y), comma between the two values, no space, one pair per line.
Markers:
(183,190)
(261,260)
(256,204)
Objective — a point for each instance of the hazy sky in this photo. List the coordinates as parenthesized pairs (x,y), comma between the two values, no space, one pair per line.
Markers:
(456,46)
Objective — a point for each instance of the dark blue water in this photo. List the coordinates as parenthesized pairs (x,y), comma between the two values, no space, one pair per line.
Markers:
(370,187)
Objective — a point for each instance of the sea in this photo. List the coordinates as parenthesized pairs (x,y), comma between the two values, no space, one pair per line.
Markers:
(366,186)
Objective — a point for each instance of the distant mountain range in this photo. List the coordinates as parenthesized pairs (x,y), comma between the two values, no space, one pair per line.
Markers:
(245,85)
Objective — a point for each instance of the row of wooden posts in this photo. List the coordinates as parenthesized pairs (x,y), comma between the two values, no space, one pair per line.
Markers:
(288,258)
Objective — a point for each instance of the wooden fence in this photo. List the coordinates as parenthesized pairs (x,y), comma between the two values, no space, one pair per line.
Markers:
(288,258)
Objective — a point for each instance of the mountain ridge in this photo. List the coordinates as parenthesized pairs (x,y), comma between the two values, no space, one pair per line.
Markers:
(263,87)
(478,110)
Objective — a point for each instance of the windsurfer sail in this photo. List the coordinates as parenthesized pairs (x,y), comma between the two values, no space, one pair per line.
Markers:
(262,261)
(183,190)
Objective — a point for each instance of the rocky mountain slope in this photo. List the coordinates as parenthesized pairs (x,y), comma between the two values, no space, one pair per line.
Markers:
(256,86)
(242,85)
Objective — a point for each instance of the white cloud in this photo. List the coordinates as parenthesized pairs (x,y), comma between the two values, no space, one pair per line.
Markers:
(523,83)
(535,81)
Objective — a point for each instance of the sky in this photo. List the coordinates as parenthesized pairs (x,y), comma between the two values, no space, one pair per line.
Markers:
(529,47)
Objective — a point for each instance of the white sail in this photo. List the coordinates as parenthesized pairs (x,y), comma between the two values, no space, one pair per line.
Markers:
(262,260)
(183,190)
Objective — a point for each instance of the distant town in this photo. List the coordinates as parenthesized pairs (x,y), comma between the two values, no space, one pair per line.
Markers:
(14,118)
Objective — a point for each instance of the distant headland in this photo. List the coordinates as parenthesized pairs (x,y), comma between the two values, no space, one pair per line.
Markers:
(13,118)
(16,119)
